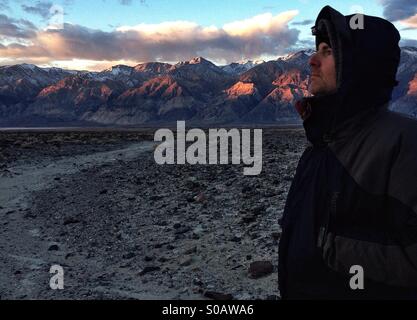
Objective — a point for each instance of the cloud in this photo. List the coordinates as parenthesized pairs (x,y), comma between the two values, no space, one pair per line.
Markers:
(303,23)
(168,41)
(302,45)
(4,5)
(395,10)
(40,8)
(410,22)
(13,28)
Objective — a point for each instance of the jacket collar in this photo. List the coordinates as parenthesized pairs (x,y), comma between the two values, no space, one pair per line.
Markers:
(330,118)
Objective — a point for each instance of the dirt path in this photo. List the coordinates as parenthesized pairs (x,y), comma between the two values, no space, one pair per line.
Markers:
(26,255)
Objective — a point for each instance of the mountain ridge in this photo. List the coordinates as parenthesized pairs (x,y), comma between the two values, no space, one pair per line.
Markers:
(196,90)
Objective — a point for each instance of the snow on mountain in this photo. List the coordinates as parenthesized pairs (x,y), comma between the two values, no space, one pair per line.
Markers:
(115,71)
(238,68)
(299,58)
(31,67)
(306,52)
(198,62)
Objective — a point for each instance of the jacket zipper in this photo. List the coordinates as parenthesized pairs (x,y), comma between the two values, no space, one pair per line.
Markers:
(331,205)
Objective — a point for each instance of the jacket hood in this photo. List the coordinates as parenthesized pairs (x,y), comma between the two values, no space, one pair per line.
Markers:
(366,62)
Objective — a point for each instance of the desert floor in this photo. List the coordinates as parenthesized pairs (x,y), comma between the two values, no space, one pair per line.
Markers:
(123,227)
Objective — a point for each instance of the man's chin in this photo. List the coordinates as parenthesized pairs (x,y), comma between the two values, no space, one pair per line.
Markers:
(319,91)
(315,91)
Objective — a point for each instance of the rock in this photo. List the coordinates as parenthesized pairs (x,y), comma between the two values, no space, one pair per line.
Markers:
(270,210)
(30,215)
(191,250)
(247,189)
(149,269)
(236,267)
(258,210)
(195,236)
(71,220)
(128,255)
(148,258)
(184,290)
(186,262)
(248,218)
(158,245)
(155,198)
(53,247)
(192,183)
(182,230)
(260,269)
(254,236)
(217,295)
(276,235)
(198,230)
(200,198)
(236,239)
(104,191)
(70,255)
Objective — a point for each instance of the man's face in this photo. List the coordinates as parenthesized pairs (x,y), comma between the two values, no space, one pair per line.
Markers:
(323,71)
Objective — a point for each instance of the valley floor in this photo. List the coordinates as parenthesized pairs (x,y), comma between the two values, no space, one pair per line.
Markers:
(123,227)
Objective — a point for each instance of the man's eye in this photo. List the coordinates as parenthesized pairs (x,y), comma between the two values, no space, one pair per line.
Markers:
(326,52)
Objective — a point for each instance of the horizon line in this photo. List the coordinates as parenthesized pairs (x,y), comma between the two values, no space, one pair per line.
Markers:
(243,61)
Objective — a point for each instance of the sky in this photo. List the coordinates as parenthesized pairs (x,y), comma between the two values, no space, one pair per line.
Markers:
(97,34)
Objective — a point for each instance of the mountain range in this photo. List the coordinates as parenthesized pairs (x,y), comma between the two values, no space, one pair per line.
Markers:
(197,91)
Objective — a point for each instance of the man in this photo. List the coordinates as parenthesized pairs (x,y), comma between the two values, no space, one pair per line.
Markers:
(352,205)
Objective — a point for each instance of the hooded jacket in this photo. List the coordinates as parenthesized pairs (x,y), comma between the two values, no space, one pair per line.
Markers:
(353,199)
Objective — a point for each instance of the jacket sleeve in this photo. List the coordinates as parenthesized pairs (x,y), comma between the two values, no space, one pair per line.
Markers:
(393,262)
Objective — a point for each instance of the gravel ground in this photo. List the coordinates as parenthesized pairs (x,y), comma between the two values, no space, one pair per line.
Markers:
(123,227)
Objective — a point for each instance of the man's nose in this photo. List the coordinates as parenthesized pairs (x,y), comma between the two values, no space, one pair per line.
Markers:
(314,62)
